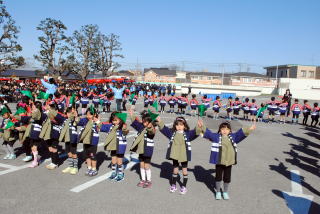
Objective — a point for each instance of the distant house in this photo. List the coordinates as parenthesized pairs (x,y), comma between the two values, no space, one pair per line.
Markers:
(204,78)
(23,74)
(293,71)
(124,73)
(252,79)
(164,75)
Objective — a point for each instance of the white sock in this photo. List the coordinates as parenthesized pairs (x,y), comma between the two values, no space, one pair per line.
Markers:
(10,149)
(148,172)
(143,174)
(6,149)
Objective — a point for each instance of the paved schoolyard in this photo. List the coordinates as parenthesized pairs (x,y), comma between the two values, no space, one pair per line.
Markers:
(263,173)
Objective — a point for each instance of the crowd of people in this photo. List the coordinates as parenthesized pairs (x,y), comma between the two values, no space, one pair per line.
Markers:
(49,114)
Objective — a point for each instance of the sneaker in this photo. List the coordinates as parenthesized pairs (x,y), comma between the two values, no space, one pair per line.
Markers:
(183,190)
(27,158)
(112,176)
(51,166)
(120,177)
(12,157)
(33,164)
(6,157)
(93,172)
(66,170)
(218,196)
(73,171)
(225,196)
(147,184)
(141,183)
(88,171)
(173,188)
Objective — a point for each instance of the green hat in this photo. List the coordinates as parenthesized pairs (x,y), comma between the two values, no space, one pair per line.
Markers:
(152,115)
(27,93)
(72,99)
(202,108)
(43,96)
(155,105)
(9,124)
(4,110)
(20,110)
(121,116)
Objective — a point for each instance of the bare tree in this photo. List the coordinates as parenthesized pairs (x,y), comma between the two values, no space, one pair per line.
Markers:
(107,50)
(9,46)
(85,45)
(55,54)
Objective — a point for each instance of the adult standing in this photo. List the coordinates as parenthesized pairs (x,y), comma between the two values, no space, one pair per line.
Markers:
(189,90)
(287,98)
(118,91)
(51,86)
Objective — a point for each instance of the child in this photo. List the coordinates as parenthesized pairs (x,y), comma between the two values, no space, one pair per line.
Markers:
(116,143)
(31,136)
(236,108)
(143,144)
(96,100)
(89,136)
(315,115)
(206,101)
(69,136)
(133,101)
(194,105)
(229,108)
(260,116)
(184,103)
(50,133)
(283,110)
(146,101)
(246,109)
(179,149)
(273,107)
(224,153)
(216,108)
(84,100)
(306,111)
(163,103)
(253,110)
(172,102)
(7,128)
(296,109)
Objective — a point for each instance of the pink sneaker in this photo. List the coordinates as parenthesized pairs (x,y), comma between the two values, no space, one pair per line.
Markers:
(147,184)
(33,164)
(173,188)
(183,190)
(141,183)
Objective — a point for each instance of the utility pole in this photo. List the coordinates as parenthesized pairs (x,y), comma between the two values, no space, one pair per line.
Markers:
(222,74)
(277,76)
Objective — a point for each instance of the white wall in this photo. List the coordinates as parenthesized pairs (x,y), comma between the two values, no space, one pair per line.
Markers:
(301,88)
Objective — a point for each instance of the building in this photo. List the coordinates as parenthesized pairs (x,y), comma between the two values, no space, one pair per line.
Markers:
(164,75)
(204,78)
(293,71)
(181,76)
(23,74)
(252,79)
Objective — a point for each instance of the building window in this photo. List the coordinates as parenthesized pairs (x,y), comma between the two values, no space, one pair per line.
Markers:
(201,78)
(194,77)
(303,73)
(311,74)
(209,78)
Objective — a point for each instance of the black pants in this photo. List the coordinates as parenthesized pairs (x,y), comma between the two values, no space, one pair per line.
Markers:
(223,172)
(124,105)
(27,147)
(314,119)
(175,164)
(162,107)
(305,118)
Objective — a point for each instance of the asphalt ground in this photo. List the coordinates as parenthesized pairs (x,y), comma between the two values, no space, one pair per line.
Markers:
(265,160)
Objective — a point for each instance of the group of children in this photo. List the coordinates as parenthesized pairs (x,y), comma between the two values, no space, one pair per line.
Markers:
(233,107)
(50,124)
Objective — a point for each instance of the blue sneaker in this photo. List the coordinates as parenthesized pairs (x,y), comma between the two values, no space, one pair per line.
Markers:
(88,171)
(218,196)
(225,196)
(112,176)
(93,172)
(120,177)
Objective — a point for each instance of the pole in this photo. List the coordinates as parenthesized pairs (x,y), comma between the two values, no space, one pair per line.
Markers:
(277,76)
(222,74)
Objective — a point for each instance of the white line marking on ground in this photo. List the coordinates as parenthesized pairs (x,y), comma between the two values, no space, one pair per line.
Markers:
(101,178)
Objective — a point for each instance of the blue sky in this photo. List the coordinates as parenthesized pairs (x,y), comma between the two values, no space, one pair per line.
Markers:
(194,34)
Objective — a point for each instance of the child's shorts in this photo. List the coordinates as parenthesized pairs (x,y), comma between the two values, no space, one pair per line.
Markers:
(216,110)
(10,143)
(90,151)
(236,111)
(142,158)
(71,148)
(253,113)
(52,143)
(114,154)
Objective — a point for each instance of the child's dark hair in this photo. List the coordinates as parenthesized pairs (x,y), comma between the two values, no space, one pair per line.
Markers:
(57,94)
(205,96)
(273,98)
(247,99)
(112,116)
(194,96)
(296,100)
(315,104)
(94,113)
(145,116)
(253,100)
(38,105)
(262,105)
(237,99)
(180,120)
(229,98)
(69,110)
(305,101)
(224,125)
(53,105)
(217,97)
